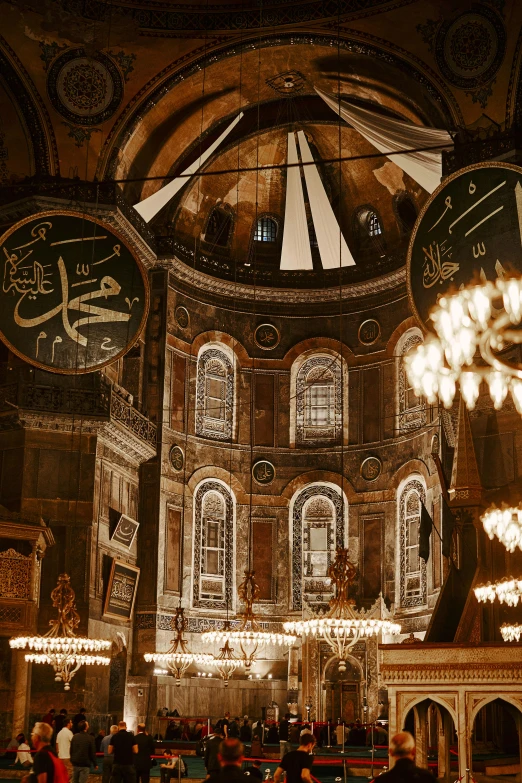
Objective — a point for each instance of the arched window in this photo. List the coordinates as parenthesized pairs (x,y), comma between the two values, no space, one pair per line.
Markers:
(318,400)
(373,224)
(317,528)
(369,230)
(214,395)
(213,546)
(266,230)
(413,587)
(219,227)
(412,410)
(406,213)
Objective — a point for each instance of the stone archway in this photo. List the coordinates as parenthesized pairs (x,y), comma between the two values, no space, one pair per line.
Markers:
(495,732)
(343,691)
(433,726)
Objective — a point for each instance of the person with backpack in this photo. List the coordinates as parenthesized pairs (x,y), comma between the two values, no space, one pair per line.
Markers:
(47,768)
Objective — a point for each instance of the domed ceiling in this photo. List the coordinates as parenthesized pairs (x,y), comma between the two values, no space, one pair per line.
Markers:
(272,82)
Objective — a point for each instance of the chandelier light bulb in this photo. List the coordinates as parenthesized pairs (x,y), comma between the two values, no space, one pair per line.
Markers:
(506,524)
(471,321)
(507,591)
(511,633)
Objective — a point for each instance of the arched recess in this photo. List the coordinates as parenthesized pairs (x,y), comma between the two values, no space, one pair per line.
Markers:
(343,693)
(213,546)
(318,522)
(318,399)
(487,700)
(31,109)
(411,576)
(411,411)
(216,392)
(420,698)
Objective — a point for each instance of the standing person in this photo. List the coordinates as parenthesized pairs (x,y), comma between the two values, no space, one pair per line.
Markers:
(298,763)
(284,736)
(233,729)
(80,715)
(83,753)
(59,721)
(225,724)
(107,757)
(45,763)
(245,732)
(49,716)
(339,733)
(212,751)
(230,759)
(142,759)
(63,745)
(123,746)
(402,749)
(98,740)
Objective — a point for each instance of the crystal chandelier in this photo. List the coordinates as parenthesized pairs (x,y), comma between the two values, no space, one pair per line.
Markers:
(506,524)
(178,658)
(60,647)
(508,591)
(479,317)
(511,633)
(226,662)
(249,634)
(342,626)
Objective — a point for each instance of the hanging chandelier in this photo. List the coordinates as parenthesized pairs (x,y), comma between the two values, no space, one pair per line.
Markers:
(479,317)
(507,591)
(178,658)
(342,627)
(511,633)
(226,662)
(506,524)
(249,634)
(60,647)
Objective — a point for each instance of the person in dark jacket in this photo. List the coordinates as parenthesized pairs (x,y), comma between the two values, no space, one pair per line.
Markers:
(245,732)
(212,752)
(83,753)
(230,756)
(142,759)
(402,750)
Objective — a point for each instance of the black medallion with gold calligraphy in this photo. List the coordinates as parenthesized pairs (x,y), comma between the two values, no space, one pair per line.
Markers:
(469,230)
(74,296)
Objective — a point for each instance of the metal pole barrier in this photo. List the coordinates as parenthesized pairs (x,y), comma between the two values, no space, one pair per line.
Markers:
(344,769)
(312,727)
(179,768)
(329,740)
(373,749)
(344,729)
(208,726)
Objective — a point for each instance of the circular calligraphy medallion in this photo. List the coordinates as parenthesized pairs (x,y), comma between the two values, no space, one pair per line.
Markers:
(468,230)
(177,458)
(470,48)
(371,468)
(182,317)
(74,295)
(266,337)
(84,89)
(263,472)
(369,331)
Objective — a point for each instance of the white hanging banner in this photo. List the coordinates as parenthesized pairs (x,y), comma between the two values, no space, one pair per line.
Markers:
(150,206)
(332,245)
(295,252)
(392,136)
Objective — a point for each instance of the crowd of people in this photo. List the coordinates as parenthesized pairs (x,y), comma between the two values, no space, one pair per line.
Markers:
(65,751)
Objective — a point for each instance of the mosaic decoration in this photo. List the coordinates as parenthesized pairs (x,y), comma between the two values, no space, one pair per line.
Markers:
(121,590)
(177,458)
(469,49)
(221,498)
(301,534)
(323,371)
(413,583)
(371,468)
(214,415)
(84,89)
(369,331)
(182,317)
(125,62)
(74,295)
(49,52)
(80,134)
(414,416)
(266,337)
(263,472)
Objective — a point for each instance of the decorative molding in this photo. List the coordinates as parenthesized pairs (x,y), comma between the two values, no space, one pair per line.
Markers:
(221,495)
(411,490)
(454,672)
(300,537)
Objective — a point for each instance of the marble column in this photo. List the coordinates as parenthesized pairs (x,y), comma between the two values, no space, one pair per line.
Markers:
(444,727)
(21,693)
(293,680)
(420,712)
